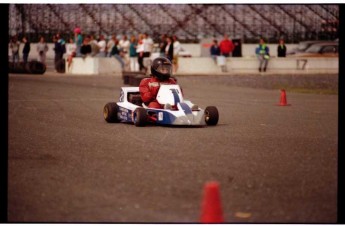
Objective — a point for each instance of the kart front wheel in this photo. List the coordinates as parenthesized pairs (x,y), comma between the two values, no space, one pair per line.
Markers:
(139,117)
(211,115)
(110,112)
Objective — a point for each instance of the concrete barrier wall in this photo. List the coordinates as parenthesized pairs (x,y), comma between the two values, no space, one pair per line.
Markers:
(94,66)
(205,65)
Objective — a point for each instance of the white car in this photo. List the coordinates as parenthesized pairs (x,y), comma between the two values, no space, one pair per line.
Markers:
(177,110)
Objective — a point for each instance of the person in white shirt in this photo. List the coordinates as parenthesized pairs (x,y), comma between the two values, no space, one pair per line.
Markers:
(177,49)
(42,49)
(148,45)
(102,45)
(71,50)
(140,51)
(124,46)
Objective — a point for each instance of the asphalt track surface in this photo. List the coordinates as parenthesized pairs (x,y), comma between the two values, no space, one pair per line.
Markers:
(66,164)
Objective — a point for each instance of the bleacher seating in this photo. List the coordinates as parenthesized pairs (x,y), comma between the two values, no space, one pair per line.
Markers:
(188,21)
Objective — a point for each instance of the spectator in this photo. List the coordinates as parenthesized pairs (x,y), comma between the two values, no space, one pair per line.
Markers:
(94,45)
(162,45)
(177,49)
(124,44)
(42,49)
(85,49)
(262,52)
(59,49)
(169,49)
(161,70)
(140,51)
(226,46)
(78,39)
(102,46)
(133,55)
(281,48)
(110,45)
(215,50)
(14,46)
(148,46)
(70,52)
(115,52)
(26,49)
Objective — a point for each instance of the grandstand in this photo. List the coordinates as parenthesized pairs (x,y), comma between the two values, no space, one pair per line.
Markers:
(190,22)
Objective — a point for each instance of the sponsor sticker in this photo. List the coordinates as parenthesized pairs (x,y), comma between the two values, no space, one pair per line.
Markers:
(160,116)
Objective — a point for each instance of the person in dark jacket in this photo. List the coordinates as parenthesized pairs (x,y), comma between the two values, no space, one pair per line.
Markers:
(281,48)
(85,48)
(26,50)
(59,49)
(215,50)
(162,45)
(169,49)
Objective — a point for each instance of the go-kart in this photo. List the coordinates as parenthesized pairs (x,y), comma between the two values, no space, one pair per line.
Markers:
(177,111)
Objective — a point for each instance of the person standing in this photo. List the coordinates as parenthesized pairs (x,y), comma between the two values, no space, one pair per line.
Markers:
(226,46)
(124,44)
(102,46)
(162,45)
(140,51)
(26,49)
(148,46)
(281,48)
(94,45)
(115,52)
(133,55)
(14,46)
(42,49)
(59,49)
(262,52)
(169,49)
(177,49)
(78,39)
(110,45)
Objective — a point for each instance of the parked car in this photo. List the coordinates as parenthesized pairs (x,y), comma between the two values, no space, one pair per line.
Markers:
(323,49)
(303,46)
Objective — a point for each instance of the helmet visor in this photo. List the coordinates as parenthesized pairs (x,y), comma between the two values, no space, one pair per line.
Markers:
(164,69)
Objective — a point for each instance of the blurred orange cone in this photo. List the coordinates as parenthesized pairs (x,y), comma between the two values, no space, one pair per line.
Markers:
(211,206)
(283,101)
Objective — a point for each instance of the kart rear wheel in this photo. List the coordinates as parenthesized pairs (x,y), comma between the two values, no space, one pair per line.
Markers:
(211,115)
(139,116)
(110,112)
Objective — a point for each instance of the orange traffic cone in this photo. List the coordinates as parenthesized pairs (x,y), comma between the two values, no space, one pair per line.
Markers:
(211,206)
(283,101)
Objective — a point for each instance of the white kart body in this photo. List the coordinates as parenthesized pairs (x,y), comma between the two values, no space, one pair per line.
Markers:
(168,94)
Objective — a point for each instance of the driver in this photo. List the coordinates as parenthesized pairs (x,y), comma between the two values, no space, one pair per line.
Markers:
(161,70)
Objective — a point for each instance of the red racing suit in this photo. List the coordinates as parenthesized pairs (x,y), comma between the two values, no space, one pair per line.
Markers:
(149,88)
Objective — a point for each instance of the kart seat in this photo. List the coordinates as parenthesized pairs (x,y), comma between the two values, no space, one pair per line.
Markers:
(135,99)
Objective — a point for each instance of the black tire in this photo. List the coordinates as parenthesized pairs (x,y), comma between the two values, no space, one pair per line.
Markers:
(110,112)
(60,66)
(140,117)
(37,67)
(211,115)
